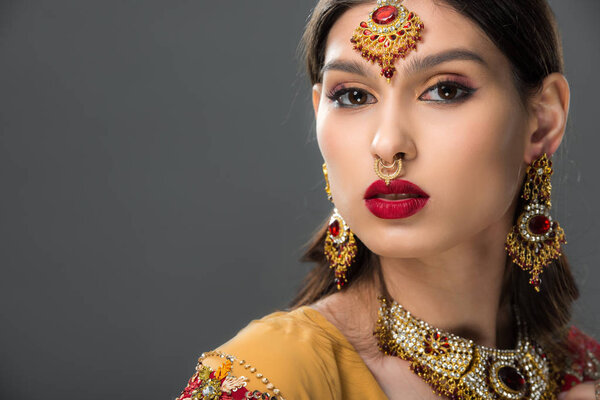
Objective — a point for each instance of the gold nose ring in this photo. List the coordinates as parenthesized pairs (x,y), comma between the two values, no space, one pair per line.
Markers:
(380,166)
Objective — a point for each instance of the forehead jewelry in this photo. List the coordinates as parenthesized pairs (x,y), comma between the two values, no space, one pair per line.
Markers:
(390,32)
(380,166)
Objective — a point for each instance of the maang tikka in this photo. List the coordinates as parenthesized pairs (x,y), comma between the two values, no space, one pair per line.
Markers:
(535,241)
(340,246)
(390,33)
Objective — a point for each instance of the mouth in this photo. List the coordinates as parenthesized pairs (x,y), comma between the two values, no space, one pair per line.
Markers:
(397,190)
(396,196)
(400,199)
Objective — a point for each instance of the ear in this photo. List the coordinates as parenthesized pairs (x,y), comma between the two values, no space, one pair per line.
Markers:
(549,110)
(316,97)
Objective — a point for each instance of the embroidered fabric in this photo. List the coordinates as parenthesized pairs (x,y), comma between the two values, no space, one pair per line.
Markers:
(225,382)
(584,364)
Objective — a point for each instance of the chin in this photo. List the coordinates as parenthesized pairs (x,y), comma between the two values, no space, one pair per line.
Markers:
(405,245)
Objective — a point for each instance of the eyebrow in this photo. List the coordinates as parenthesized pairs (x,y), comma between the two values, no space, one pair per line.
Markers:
(414,66)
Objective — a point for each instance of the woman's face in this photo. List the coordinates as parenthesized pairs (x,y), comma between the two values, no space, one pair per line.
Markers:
(456,118)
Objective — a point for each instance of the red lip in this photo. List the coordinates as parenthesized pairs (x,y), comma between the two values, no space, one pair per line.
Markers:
(394,209)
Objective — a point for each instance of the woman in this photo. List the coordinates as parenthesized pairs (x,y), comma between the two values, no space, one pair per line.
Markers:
(436,121)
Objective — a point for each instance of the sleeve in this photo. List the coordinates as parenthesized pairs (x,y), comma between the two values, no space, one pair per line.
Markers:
(222,376)
(584,362)
(277,357)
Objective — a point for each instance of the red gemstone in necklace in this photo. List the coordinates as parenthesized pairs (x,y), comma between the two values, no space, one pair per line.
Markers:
(385,15)
(334,228)
(539,225)
(511,378)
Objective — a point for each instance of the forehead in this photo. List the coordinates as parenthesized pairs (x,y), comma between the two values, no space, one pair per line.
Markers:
(444,29)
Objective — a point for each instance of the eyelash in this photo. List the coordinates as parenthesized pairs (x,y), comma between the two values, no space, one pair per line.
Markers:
(467,91)
(335,95)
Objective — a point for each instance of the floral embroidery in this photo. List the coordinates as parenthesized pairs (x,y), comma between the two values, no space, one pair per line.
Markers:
(584,364)
(220,384)
(232,383)
(223,370)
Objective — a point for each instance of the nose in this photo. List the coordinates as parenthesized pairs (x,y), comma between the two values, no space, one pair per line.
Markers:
(393,138)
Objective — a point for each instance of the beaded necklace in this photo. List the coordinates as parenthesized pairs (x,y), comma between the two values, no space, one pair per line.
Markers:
(461,369)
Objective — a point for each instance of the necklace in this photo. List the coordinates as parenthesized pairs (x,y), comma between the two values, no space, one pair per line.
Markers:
(461,369)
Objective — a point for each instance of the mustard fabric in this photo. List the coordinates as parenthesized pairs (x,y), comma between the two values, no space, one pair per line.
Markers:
(303,355)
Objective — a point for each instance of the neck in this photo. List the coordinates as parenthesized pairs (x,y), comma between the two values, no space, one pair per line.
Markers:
(458,291)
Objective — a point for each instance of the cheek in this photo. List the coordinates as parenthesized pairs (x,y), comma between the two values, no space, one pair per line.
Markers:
(344,143)
(478,163)
(339,131)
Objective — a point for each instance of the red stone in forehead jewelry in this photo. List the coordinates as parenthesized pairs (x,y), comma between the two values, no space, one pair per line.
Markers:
(385,15)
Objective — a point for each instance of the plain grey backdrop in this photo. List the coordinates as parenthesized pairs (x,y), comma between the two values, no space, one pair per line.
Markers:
(160,175)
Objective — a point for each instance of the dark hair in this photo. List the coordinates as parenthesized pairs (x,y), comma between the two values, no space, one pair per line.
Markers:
(525,32)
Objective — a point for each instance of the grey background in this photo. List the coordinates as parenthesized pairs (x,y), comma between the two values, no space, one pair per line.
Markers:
(159,177)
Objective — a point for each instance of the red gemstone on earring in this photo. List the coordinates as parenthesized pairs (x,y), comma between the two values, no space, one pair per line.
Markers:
(385,15)
(334,228)
(539,225)
(364,24)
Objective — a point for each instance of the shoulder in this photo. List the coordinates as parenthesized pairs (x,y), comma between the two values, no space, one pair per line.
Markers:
(584,358)
(283,355)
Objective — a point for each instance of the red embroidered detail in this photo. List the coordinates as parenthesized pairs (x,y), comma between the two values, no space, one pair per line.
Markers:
(584,364)
(203,385)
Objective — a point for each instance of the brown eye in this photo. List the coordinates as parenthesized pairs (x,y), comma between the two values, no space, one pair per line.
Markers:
(447,92)
(352,97)
(357,97)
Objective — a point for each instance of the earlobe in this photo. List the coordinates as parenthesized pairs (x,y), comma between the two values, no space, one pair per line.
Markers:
(316,97)
(550,108)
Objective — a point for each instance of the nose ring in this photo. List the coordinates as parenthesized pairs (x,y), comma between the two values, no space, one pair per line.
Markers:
(380,166)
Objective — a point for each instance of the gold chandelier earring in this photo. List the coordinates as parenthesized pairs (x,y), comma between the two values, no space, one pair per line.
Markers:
(535,241)
(340,246)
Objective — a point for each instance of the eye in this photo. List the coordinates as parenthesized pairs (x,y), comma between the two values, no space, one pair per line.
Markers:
(447,92)
(351,97)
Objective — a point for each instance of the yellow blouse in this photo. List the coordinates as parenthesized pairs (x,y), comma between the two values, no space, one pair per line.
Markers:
(291,355)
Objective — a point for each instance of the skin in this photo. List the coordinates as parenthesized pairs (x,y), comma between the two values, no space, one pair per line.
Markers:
(467,146)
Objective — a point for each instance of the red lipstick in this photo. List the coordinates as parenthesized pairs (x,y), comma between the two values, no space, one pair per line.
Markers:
(400,199)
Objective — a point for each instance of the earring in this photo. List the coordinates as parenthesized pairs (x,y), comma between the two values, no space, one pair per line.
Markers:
(340,246)
(535,241)
(327,189)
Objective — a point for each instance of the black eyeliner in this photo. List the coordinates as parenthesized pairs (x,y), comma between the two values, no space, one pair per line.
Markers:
(449,82)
